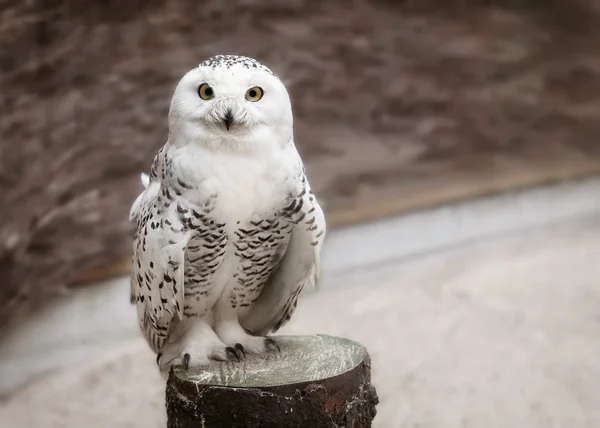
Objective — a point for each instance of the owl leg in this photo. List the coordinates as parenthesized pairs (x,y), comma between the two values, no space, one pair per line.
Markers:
(232,334)
(227,326)
(194,343)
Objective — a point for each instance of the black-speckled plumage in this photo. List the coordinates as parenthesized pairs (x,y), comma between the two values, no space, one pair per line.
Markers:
(228,229)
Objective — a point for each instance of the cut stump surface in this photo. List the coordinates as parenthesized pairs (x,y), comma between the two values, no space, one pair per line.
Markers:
(315,381)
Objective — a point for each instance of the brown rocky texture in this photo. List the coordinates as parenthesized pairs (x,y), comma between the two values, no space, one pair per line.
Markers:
(410,103)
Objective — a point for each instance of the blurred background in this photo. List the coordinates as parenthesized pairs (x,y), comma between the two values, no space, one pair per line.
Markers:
(453,145)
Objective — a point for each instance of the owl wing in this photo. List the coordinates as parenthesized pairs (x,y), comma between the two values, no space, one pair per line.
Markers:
(160,243)
(299,266)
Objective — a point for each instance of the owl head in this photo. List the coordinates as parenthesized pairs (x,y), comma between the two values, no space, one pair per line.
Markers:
(230,101)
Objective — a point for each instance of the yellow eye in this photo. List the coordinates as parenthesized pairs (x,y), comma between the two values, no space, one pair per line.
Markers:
(206,92)
(254,94)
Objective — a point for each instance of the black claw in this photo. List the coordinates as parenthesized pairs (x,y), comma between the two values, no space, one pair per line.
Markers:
(249,332)
(158,358)
(240,348)
(231,353)
(269,341)
(186,361)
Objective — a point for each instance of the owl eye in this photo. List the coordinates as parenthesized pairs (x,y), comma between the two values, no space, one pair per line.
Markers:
(254,94)
(206,92)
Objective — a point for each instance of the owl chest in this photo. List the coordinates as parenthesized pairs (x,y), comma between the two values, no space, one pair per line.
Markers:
(236,261)
(257,250)
(244,188)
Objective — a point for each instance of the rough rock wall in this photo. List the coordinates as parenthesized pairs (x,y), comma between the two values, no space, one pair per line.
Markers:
(384,92)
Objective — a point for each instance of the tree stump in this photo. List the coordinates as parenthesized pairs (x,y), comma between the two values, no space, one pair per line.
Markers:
(314,382)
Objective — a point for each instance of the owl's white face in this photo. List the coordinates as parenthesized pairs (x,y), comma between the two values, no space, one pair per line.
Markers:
(230,100)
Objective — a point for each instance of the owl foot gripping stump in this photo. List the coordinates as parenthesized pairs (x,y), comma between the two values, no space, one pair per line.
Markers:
(314,382)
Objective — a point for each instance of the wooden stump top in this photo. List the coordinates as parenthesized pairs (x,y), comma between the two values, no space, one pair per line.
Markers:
(302,359)
(315,381)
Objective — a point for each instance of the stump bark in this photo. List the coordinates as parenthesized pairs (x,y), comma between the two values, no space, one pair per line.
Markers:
(315,381)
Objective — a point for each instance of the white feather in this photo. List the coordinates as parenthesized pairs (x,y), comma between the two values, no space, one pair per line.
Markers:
(145,178)
(251,170)
(299,266)
(158,302)
(134,211)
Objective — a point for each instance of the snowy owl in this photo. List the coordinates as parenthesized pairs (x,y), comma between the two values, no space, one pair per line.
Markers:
(228,229)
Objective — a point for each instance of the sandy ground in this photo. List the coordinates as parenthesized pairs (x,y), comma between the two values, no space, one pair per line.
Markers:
(500,334)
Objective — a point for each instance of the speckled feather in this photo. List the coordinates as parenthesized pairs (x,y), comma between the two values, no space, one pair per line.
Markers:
(228,61)
(215,225)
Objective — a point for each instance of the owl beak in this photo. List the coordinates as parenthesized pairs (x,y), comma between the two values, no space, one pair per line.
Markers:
(228,119)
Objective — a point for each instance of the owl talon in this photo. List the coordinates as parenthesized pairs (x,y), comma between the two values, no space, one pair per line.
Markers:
(186,361)
(271,342)
(240,348)
(231,353)
(158,358)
